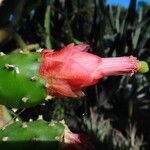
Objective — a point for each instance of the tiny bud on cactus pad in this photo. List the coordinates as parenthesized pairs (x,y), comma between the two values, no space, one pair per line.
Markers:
(25,81)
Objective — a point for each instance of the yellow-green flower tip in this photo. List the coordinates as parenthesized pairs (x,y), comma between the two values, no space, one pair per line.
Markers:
(143,67)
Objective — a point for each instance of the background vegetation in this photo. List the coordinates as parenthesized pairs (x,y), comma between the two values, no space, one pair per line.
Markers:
(116,111)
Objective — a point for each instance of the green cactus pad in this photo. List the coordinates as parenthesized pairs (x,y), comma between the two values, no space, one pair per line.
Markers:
(20,83)
(37,134)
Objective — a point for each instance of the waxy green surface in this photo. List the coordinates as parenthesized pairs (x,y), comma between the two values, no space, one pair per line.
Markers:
(38,135)
(17,83)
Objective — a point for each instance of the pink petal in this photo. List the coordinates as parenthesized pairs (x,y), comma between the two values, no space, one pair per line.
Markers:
(119,65)
(82,47)
(60,88)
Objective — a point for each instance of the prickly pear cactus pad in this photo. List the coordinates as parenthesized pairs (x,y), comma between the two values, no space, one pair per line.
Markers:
(20,83)
(39,134)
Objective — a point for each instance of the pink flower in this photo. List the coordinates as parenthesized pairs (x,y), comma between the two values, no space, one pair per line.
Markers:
(70,69)
(74,141)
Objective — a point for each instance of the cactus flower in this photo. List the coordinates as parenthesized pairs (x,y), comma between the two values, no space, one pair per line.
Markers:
(70,69)
(23,77)
(74,141)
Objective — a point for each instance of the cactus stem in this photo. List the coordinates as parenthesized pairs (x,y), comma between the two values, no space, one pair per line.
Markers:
(4,139)
(25,99)
(48,97)
(9,67)
(2,54)
(34,78)
(24,125)
(40,117)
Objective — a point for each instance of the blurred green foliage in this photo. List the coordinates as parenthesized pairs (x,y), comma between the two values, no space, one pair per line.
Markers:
(111,31)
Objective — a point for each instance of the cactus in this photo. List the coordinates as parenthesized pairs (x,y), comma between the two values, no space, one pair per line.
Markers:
(20,83)
(25,82)
(40,134)
(37,134)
